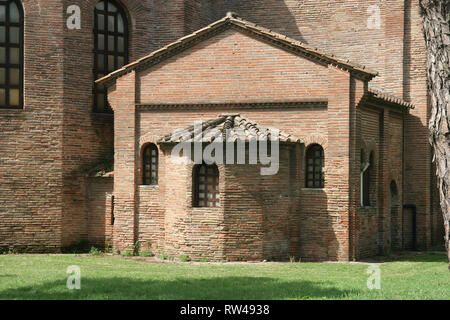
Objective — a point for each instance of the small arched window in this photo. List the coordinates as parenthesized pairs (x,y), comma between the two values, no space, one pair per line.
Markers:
(11,54)
(367,175)
(315,161)
(150,165)
(206,186)
(110,46)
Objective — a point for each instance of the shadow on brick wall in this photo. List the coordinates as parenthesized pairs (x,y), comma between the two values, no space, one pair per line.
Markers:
(266,13)
(318,240)
(428,228)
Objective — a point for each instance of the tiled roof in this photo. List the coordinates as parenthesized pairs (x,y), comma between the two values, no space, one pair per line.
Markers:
(231,20)
(385,96)
(212,128)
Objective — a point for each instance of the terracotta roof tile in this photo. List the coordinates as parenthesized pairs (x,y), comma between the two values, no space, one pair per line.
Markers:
(388,97)
(232,20)
(211,129)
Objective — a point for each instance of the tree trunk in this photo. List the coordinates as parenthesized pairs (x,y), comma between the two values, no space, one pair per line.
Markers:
(436,25)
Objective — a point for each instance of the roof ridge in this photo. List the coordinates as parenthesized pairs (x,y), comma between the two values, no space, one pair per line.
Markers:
(233,19)
(251,129)
(302,44)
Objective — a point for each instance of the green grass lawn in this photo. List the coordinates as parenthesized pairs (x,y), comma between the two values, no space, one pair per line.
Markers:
(424,276)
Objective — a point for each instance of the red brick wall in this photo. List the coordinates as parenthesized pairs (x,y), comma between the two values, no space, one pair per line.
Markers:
(396,50)
(122,99)
(197,232)
(151,208)
(154,125)
(331,223)
(31,159)
(197,14)
(369,217)
(395,174)
(257,220)
(261,214)
(382,133)
(340,27)
(100,211)
(87,138)
(195,76)
(202,74)
(47,146)
(418,168)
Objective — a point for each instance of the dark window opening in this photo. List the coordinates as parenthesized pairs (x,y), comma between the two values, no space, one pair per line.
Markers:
(315,161)
(366,187)
(11,54)
(367,183)
(113,218)
(150,165)
(206,186)
(110,47)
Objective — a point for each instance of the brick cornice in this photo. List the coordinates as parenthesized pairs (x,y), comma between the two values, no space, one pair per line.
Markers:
(320,103)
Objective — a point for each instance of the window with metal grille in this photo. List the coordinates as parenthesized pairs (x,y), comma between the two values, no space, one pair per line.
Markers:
(314,167)
(111,47)
(150,165)
(206,186)
(11,54)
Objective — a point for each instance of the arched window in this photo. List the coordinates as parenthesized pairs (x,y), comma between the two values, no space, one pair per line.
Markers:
(367,175)
(315,161)
(150,165)
(111,46)
(11,54)
(206,186)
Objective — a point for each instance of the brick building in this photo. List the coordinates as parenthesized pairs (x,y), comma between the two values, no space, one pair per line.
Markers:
(77,167)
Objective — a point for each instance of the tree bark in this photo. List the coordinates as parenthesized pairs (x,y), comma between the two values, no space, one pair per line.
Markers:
(436,26)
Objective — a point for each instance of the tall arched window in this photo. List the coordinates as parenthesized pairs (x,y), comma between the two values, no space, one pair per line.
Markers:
(367,177)
(111,46)
(11,54)
(206,186)
(150,165)
(315,162)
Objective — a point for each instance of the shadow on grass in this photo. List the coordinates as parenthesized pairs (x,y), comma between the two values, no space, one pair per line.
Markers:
(410,256)
(227,288)
(423,257)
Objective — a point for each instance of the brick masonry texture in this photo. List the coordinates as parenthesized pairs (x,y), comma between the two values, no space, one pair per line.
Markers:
(47,203)
(100,212)
(258,218)
(47,146)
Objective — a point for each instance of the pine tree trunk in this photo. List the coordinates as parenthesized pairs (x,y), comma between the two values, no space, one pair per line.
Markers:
(436,25)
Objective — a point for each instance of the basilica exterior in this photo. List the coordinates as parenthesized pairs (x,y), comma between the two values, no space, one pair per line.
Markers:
(94,95)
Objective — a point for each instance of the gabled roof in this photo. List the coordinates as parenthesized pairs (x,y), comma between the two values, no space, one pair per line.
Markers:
(231,20)
(240,128)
